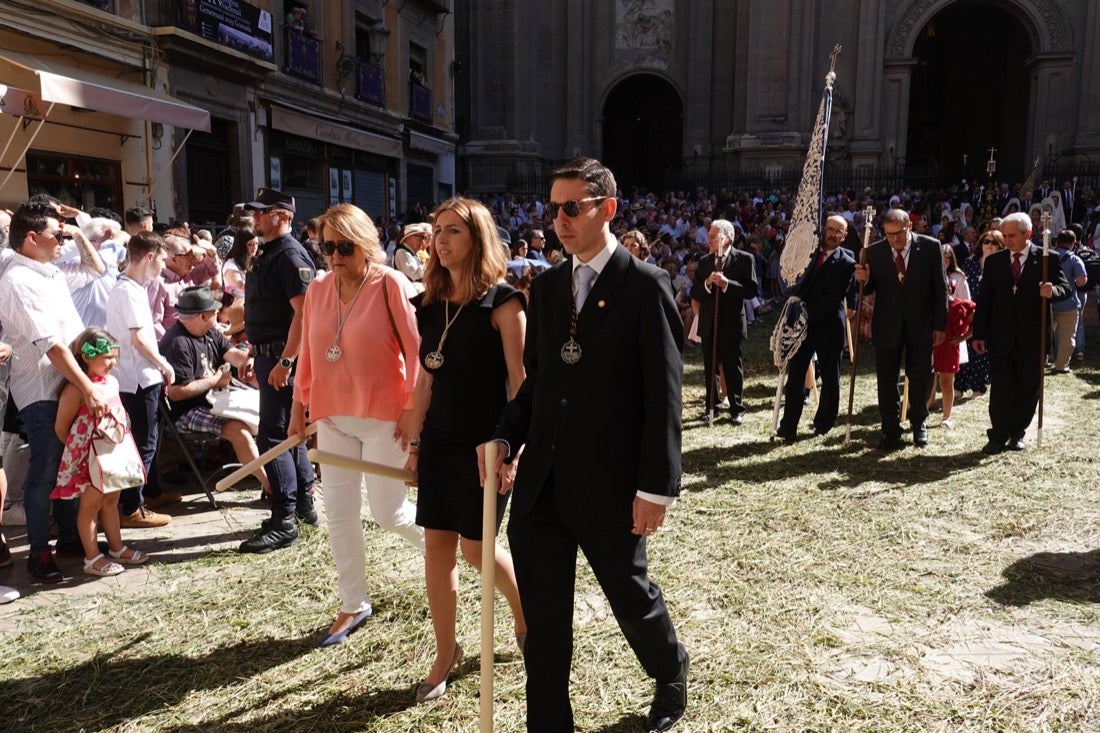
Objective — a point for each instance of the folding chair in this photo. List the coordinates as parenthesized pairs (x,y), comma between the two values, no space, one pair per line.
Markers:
(186,441)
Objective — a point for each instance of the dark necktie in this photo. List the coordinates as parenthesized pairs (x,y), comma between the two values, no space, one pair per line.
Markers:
(899,265)
(1016,266)
(821,258)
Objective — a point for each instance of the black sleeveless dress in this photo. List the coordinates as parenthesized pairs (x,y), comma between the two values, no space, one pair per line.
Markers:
(469,391)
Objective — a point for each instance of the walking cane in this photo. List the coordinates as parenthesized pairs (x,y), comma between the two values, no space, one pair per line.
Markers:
(356,464)
(715,385)
(488,572)
(853,345)
(904,400)
(264,458)
(1045,305)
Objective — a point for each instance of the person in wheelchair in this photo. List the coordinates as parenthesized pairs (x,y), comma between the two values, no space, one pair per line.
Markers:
(201,357)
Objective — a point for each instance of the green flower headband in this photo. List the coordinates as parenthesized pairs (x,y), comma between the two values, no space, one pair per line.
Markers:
(102,346)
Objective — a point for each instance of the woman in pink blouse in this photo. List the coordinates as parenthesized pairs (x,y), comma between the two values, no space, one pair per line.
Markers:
(356,376)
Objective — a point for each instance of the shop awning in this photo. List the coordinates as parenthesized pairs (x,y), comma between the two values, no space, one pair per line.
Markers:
(333,132)
(62,84)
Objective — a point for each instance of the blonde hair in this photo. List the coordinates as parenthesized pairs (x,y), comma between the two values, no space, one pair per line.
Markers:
(353,224)
(486,265)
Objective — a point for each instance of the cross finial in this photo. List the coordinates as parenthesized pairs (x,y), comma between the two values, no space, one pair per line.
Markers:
(991,152)
(832,57)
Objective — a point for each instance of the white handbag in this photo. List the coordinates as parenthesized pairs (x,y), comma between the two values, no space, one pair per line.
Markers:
(237,403)
(115,463)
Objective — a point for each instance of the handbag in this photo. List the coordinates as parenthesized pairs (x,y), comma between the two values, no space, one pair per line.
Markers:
(237,403)
(114,463)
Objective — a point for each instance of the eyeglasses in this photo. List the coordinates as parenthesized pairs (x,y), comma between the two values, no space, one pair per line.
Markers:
(58,235)
(571,208)
(346,249)
(897,233)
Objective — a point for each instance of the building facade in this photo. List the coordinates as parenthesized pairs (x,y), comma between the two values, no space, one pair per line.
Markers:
(188,106)
(672,90)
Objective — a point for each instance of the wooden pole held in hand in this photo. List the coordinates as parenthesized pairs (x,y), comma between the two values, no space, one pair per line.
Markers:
(265,458)
(488,578)
(356,464)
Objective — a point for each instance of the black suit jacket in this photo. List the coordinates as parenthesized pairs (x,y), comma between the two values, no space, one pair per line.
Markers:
(920,304)
(1009,322)
(740,269)
(608,426)
(824,289)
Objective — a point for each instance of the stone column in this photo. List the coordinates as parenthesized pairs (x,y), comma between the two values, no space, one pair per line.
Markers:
(896,76)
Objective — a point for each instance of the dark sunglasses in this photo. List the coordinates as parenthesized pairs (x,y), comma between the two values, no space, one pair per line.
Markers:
(58,235)
(571,208)
(346,249)
(988,241)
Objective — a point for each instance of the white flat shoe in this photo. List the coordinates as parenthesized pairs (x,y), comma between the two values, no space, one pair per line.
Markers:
(7,595)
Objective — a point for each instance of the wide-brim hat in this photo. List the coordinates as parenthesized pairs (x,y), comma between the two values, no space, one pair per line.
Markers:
(197,299)
(234,314)
(267,198)
(420,227)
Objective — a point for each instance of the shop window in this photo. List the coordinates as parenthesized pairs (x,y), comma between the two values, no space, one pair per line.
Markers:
(75,181)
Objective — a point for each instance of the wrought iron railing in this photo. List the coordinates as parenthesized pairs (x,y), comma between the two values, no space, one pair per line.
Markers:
(420,102)
(370,83)
(303,56)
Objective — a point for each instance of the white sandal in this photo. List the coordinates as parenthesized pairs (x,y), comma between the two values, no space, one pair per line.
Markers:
(104,571)
(135,557)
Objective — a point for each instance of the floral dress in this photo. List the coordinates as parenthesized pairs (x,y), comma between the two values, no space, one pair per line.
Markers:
(73,475)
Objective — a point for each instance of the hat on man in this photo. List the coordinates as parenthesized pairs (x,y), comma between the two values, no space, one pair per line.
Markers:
(234,314)
(267,198)
(197,299)
(420,227)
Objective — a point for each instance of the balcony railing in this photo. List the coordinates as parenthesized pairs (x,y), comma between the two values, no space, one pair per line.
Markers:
(303,56)
(370,83)
(420,102)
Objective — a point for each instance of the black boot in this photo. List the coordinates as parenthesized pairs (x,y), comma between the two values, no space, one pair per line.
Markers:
(275,533)
(305,510)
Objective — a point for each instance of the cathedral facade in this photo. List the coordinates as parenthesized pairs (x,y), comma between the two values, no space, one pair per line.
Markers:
(667,88)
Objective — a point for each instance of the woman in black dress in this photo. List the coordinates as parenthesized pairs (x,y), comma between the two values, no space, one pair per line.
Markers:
(471,328)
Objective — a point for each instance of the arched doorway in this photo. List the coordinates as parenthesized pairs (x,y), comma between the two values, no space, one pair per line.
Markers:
(969,92)
(643,131)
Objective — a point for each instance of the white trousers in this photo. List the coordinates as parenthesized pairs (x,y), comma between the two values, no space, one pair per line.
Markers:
(369,440)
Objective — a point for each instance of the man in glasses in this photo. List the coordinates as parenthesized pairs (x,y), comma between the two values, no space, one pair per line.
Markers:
(275,292)
(603,362)
(40,321)
(905,272)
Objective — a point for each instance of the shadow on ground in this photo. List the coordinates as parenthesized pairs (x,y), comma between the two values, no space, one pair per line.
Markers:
(1063,576)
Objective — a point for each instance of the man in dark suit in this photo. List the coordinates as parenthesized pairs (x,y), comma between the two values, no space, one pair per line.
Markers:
(823,290)
(603,362)
(725,279)
(905,272)
(1007,326)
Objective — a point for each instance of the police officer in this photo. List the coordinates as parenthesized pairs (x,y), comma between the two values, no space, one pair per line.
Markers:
(275,292)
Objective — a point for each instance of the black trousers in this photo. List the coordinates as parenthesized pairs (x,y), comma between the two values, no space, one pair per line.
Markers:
(918,369)
(1013,394)
(544,551)
(729,359)
(826,338)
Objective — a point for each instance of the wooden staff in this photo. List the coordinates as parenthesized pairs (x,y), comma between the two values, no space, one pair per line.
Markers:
(356,464)
(853,344)
(265,458)
(904,400)
(715,385)
(488,572)
(1044,306)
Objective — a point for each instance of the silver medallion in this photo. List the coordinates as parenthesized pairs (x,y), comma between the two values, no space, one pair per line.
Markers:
(571,352)
(333,353)
(434,359)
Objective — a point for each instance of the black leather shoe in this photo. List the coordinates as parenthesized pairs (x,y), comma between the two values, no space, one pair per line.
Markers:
(889,443)
(738,418)
(993,447)
(275,533)
(787,436)
(669,702)
(304,509)
(920,436)
(44,569)
(1015,444)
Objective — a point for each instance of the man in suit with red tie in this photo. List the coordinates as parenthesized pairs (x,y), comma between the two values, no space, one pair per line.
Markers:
(604,373)
(905,272)
(725,279)
(1008,325)
(823,290)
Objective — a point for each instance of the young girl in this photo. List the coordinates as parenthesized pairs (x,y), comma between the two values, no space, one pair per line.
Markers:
(96,351)
(945,357)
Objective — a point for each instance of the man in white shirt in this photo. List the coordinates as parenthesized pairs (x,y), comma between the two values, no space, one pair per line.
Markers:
(40,322)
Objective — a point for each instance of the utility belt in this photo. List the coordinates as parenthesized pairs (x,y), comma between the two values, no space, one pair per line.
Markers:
(273,349)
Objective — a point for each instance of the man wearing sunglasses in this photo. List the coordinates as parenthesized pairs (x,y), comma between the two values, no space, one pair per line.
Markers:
(275,292)
(604,366)
(40,321)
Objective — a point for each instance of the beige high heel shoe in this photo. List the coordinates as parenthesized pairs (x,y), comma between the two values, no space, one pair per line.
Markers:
(427,691)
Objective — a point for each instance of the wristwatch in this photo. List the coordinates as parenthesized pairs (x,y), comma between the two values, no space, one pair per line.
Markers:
(285,363)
